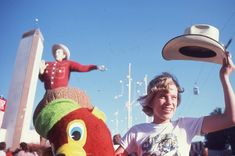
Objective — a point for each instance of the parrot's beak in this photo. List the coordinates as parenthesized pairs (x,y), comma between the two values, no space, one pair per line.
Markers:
(70,150)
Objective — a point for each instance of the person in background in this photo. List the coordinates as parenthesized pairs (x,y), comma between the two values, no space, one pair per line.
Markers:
(24,150)
(116,141)
(9,152)
(2,148)
(173,138)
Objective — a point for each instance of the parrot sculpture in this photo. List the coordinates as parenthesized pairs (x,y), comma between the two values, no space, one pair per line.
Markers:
(73,130)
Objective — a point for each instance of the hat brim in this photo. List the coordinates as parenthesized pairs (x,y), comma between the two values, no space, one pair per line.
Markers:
(194,47)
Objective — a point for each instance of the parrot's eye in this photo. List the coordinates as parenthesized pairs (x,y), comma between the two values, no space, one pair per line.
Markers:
(76,131)
(76,135)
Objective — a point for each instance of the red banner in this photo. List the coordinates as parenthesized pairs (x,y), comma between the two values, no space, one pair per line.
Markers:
(3,103)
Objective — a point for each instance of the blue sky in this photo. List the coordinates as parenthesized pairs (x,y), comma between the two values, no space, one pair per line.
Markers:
(116,33)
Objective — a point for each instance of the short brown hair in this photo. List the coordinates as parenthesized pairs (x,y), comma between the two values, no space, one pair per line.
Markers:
(160,82)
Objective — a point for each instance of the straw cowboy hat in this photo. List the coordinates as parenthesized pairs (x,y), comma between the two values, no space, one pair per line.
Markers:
(63,47)
(199,43)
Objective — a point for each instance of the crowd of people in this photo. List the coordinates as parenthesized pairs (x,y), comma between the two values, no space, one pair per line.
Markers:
(197,149)
(28,149)
(25,149)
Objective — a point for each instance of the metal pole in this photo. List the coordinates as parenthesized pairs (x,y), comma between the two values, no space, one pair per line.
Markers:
(129,107)
(145,84)
(116,121)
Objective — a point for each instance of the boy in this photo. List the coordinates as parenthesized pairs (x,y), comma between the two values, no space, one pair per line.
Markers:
(173,138)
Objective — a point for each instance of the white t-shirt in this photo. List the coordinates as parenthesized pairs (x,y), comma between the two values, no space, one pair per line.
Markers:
(115,147)
(23,153)
(2,153)
(168,139)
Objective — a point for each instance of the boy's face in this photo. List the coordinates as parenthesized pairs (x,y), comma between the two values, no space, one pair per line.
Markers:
(164,104)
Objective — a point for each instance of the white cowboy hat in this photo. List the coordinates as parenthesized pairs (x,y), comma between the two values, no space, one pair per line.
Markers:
(63,47)
(199,43)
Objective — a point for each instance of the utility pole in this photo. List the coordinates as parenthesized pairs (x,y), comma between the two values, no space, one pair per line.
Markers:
(145,83)
(145,93)
(129,103)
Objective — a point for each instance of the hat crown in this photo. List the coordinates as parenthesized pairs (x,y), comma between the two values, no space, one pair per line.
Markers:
(204,30)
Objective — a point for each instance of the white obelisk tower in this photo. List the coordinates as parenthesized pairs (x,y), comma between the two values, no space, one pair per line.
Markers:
(18,116)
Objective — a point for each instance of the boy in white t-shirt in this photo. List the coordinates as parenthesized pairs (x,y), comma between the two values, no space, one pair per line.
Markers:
(164,137)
